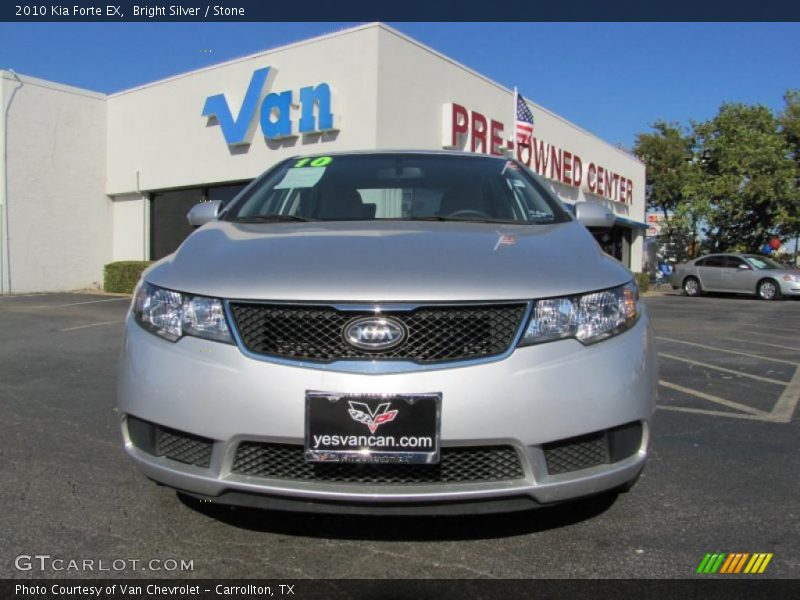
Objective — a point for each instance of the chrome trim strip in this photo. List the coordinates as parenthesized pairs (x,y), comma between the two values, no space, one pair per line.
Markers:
(377,367)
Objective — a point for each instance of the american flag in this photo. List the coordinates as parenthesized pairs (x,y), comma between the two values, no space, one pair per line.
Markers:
(524,122)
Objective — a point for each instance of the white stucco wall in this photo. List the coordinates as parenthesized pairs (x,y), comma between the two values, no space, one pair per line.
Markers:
(59,218)
(131,221)
(3,266)
(158,129)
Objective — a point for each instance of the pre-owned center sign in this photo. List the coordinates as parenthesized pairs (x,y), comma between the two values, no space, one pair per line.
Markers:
(471,131)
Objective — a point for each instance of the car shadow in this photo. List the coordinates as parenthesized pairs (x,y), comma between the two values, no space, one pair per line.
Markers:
(406,528)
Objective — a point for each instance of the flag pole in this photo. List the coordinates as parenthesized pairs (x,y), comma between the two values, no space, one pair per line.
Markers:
(514,121)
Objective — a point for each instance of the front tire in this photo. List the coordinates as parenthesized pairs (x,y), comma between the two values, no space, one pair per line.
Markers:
(769,290)
(691,287)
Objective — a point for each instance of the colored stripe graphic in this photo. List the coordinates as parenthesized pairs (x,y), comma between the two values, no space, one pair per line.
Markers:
(734,563)
(723,563)
(711,563)
(758,563)
(741,562)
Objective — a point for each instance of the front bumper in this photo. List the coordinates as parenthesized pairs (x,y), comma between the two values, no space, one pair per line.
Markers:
(538,394)
(789,288)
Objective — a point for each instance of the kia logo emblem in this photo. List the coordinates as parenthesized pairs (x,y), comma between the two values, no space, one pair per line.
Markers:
(374,333)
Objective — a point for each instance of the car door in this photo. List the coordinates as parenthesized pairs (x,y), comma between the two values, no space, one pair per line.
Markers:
(737,276)
(710,273)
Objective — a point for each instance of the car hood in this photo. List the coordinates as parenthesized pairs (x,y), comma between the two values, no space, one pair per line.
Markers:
(392,261)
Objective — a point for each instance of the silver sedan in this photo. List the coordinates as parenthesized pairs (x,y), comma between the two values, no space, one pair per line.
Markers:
(390,333)
(737,273)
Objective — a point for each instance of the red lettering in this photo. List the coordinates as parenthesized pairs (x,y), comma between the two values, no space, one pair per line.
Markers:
(495,139)
(629,197)
(607,180)
(577,170)
(617,195)
(622,181)
(460,124)
(592,178)
(478,131)
(567,173)
(540,158)
(600,190)
(555,163)
(521,150)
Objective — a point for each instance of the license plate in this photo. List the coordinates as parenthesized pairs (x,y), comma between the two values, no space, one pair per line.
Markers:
(372,428)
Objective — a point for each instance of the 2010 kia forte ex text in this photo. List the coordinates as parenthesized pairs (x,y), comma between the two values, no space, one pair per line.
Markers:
(389,332)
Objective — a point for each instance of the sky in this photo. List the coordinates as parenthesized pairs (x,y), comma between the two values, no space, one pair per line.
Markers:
(612,79)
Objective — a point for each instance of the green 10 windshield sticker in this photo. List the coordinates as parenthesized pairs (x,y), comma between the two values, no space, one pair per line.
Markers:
(320,161)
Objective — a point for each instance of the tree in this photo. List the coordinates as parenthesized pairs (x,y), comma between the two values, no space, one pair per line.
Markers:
(790,128)
(665,151)
(747,178)
(789,120)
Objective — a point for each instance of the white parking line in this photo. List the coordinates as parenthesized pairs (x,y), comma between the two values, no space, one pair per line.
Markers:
(784,408)
(796,349)
(12,296)
(125,298)
(92,325)
(714,399)
(723,369)
(758,356)
(714,413)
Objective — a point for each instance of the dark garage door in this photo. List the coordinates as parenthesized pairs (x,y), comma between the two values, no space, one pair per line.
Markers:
(168,224)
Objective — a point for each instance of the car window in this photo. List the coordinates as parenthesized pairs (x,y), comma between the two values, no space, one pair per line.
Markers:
(714,261)
(733,262)
(762,262)
(400,187)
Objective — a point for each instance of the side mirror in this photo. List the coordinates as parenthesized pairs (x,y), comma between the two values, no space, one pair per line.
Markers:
(590,214)
(745,267)
(203,213)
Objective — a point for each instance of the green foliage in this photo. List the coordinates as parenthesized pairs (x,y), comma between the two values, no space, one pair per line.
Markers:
(666,152)
(643,281)
(122,276)
(790,122)
(747,177)
(790,128)
(731,182)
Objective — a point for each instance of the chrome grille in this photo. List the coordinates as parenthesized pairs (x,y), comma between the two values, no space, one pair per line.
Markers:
(457,465)
(435,333)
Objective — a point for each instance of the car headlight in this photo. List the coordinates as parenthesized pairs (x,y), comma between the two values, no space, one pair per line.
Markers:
(791,277)
(173,315)
(588,318)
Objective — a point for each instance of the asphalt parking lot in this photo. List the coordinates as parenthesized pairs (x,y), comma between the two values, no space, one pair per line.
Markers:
(723,474)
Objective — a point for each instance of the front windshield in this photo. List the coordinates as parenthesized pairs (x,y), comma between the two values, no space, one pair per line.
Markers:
(398,187)
(762,262)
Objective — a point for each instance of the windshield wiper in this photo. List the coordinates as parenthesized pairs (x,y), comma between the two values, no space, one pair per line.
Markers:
(271,219)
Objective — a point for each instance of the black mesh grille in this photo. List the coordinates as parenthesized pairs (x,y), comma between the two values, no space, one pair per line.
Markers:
(435,333)
(457,465)
(577,453)
(183,447)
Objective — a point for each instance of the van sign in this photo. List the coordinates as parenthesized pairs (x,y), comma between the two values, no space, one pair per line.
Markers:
(276,111)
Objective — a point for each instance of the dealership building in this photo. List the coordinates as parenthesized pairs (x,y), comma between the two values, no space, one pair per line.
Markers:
(89,178)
